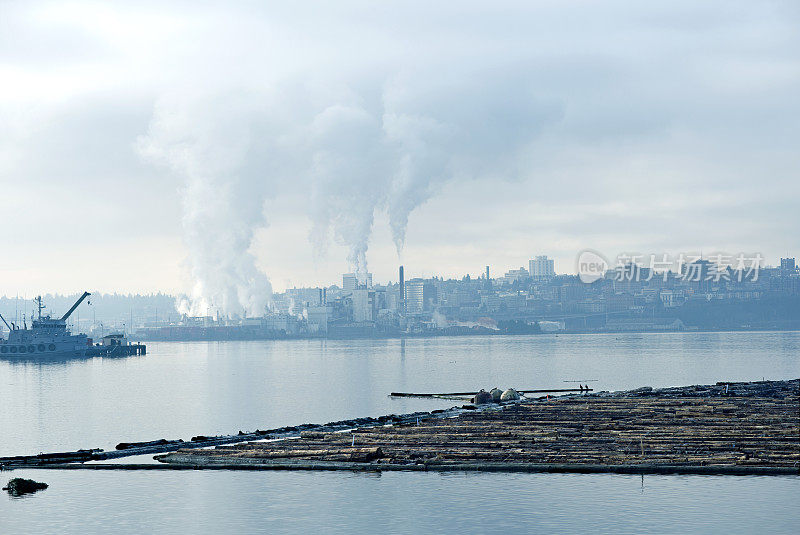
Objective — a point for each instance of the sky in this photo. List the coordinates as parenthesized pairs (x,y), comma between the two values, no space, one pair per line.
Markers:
(227,149)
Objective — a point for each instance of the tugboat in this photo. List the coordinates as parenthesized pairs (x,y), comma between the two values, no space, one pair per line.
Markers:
(48,338)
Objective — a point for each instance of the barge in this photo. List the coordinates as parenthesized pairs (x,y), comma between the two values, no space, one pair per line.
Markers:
(49,338)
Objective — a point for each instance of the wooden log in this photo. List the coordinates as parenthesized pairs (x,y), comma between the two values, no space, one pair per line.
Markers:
(456,394)
(590,430)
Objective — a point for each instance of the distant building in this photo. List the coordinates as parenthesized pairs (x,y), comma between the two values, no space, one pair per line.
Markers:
(515,275)
(351,281)
(317,317)
(700,274)
(490,303)
(363,305)
(282,323)
(420,295)
(788,265)
(588,306)
(571,292)
(541,268)
(551,326)
(671,298)
(400,304)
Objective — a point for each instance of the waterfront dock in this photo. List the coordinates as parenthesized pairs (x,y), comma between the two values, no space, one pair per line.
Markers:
(728,428)
(116,350)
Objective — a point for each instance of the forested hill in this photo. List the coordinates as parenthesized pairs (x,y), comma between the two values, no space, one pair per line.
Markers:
(103,307)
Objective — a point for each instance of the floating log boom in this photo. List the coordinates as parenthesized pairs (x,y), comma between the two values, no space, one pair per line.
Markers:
(737,428)
(727,428)
(454,394)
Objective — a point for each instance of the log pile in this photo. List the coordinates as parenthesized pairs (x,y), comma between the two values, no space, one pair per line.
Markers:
(742,424)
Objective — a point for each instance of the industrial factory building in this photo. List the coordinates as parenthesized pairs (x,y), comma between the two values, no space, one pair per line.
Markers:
(522,301)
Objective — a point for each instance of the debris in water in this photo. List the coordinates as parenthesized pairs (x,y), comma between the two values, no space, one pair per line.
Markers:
(18,486)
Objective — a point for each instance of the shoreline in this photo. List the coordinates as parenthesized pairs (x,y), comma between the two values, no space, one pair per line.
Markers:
(411,336)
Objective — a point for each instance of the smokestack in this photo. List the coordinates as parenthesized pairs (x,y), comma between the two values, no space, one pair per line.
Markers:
(402,291)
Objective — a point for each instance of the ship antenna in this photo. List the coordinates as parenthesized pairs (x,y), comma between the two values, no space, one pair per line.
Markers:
(39,305)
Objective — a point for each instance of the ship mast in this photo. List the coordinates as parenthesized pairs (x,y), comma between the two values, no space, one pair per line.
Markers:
(39,305)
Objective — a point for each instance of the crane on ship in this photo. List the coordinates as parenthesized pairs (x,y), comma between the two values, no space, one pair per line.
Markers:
(70,311)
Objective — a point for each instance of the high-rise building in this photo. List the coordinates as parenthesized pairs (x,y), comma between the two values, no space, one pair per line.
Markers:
(351,281)
(541,268)
(788,264)
(414,302)
(420,295)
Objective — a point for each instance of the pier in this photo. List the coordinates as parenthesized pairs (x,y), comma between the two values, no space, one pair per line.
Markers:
(116,350)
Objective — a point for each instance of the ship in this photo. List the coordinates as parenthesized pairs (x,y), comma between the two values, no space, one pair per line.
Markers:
(48,338)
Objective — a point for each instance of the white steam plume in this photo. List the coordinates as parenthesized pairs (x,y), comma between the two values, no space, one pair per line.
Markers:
(460,125)
(207,142)
(384,146)
(350,169)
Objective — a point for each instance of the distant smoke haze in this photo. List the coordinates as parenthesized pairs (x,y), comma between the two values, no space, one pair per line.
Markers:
(348,155)
(299,141)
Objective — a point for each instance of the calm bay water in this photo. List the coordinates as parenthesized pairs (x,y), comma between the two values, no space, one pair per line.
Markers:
(314,502)
(183,389)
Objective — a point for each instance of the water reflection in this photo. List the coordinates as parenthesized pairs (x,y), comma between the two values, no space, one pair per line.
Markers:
(316,502)
(47,360)
(179,390)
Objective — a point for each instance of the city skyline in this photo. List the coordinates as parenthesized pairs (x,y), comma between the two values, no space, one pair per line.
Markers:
(350,281)
(698,294)
(563,266)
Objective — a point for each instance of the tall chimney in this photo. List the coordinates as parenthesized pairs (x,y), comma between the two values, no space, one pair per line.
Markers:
(402,292)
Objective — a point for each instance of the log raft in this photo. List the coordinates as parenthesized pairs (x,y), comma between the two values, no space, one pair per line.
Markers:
(470,394)
(727,428)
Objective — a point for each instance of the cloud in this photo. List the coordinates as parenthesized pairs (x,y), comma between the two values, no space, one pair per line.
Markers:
(413,115)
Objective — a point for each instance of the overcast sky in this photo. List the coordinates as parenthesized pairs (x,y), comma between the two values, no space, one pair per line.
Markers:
(140,142)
